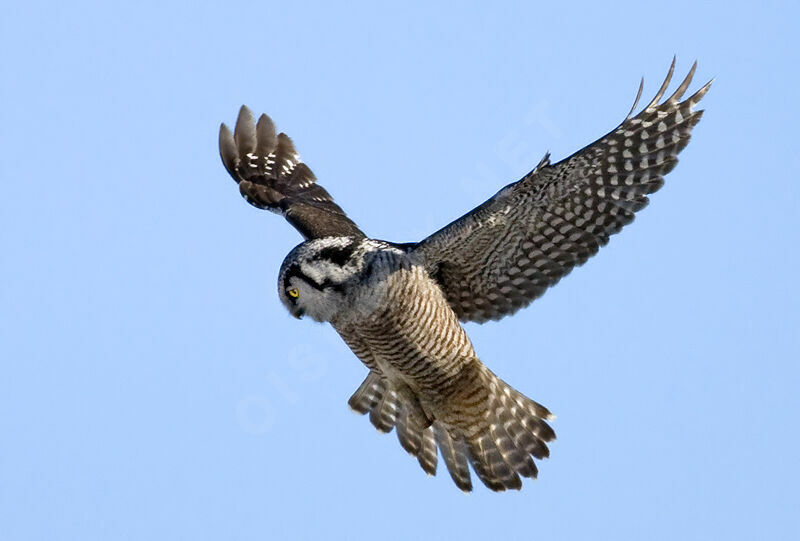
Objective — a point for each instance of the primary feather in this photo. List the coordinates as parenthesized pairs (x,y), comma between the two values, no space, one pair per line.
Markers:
(271,176)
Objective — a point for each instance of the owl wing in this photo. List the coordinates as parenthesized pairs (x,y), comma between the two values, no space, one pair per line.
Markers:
(271,176)
(505,253)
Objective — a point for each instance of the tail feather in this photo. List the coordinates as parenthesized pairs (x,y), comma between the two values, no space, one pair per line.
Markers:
(455,457)
(528,442)
(488,463)
(515,428)
(517,457)
(480,463)
(499,445)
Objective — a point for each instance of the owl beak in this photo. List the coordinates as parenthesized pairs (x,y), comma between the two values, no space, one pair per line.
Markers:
(299,314)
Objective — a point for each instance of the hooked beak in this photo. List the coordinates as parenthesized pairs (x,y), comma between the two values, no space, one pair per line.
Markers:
(299,314)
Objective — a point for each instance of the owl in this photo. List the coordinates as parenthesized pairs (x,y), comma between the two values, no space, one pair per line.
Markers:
(399,306)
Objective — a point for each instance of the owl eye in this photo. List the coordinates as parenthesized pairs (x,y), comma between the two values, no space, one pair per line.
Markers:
(293,293)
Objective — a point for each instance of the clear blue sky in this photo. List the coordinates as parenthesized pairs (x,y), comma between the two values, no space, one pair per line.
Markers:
(153,387)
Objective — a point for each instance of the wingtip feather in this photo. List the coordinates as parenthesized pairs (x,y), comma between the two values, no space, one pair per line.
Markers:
(664,86)
(697,96)
(636,101)
(244,133)
(681,90)
(265,135)
(227,150)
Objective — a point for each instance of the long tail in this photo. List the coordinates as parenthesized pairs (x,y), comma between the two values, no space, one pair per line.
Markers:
(500,443)
(515,432)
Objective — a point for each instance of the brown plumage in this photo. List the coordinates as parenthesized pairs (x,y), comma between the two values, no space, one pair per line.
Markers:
(426,378)
(398,306)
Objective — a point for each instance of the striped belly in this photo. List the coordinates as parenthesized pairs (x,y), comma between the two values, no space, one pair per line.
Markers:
(416,338)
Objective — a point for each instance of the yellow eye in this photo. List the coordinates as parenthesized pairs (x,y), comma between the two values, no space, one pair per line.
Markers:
(293,293)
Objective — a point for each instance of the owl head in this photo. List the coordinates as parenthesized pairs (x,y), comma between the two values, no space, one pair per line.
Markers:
(316,276)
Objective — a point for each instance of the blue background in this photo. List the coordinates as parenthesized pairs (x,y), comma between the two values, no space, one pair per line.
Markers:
(153,387)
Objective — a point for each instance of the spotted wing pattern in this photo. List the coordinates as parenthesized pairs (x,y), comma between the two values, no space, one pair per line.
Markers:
(505,253)
(271,176)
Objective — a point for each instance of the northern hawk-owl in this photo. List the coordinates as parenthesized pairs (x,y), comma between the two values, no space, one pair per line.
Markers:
(398,306)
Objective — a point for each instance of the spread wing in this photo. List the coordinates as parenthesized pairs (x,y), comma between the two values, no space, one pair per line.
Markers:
(271,176)
(505,253)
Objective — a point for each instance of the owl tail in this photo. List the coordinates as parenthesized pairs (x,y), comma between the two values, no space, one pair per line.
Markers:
(515,431)
(499,443)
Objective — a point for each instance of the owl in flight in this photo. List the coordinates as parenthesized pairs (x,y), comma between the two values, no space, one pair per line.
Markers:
(398,306)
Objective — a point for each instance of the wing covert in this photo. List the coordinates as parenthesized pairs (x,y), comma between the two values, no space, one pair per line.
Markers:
(505,253)
(271,176)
